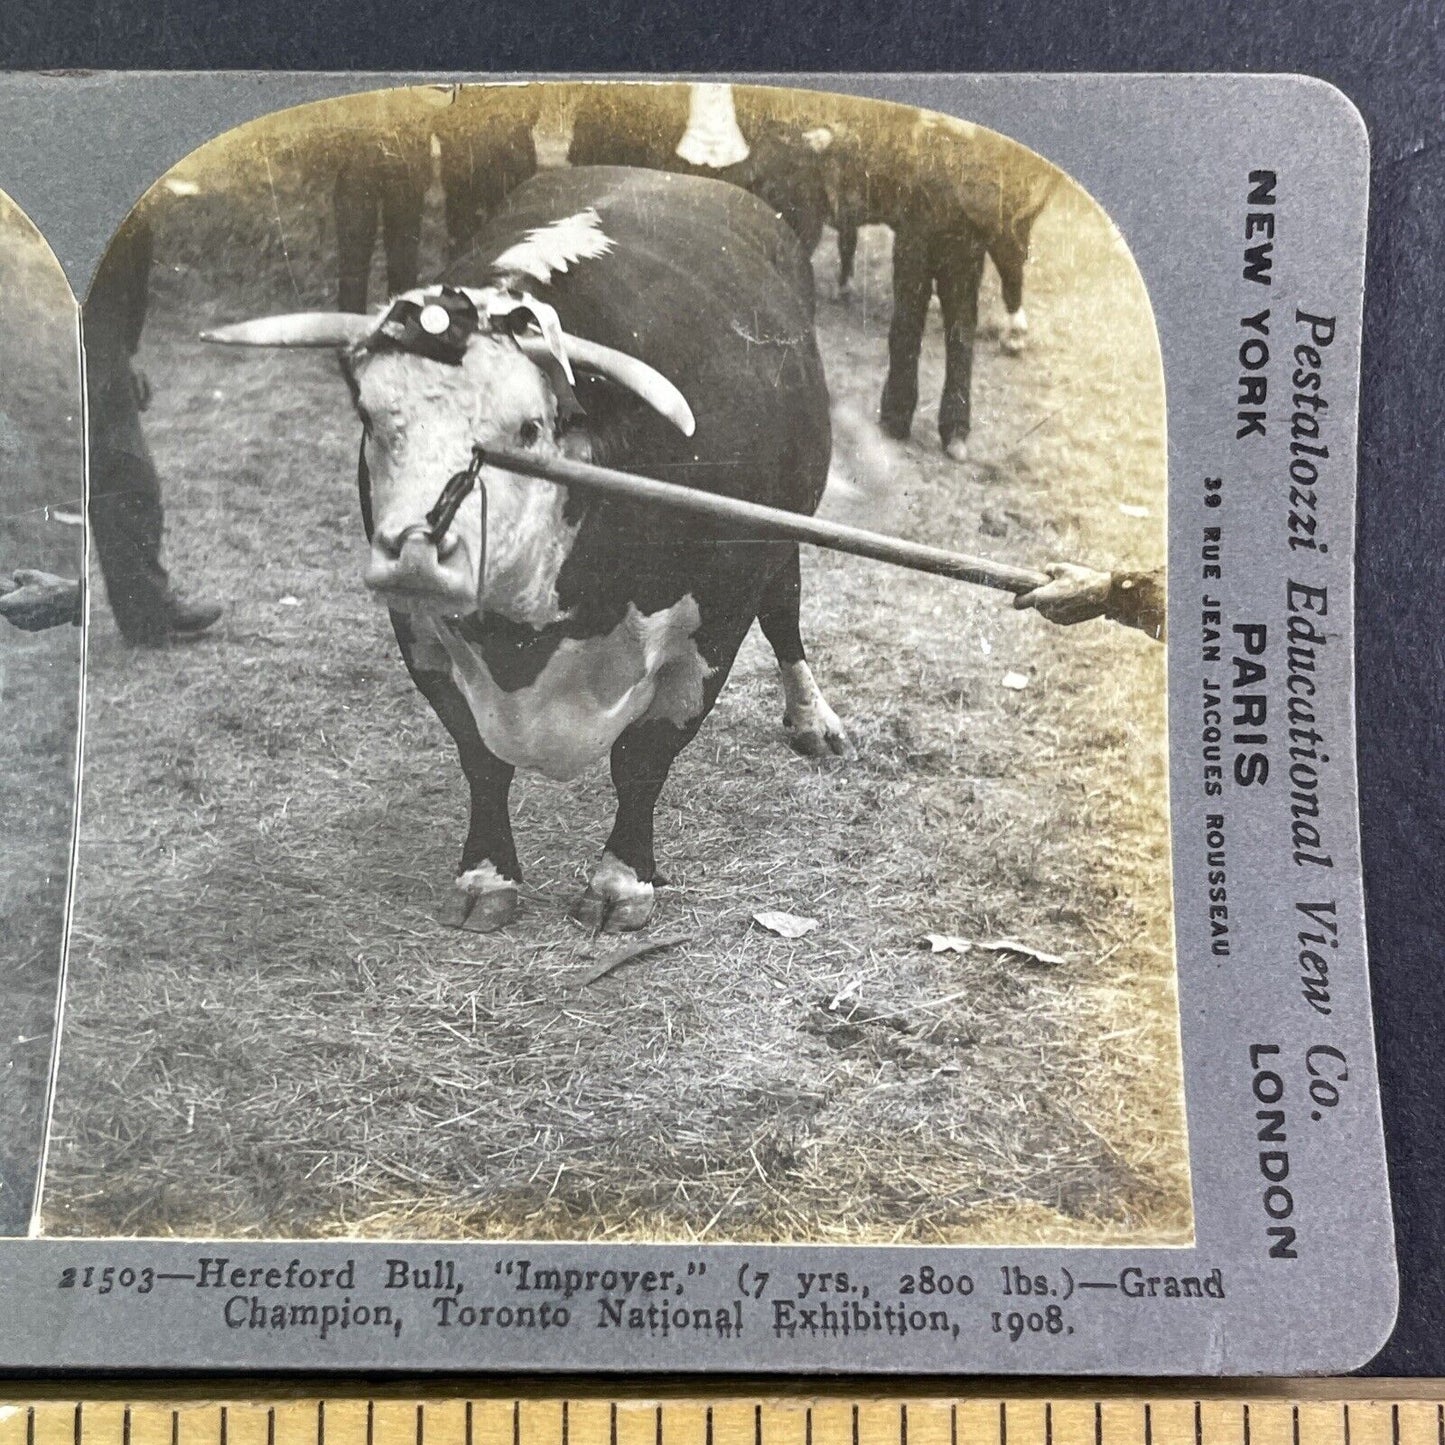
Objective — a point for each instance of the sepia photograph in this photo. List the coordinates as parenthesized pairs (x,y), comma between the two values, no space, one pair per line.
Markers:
(625,687)
(42,535)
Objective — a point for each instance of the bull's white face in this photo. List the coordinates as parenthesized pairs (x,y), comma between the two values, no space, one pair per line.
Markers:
(422,419)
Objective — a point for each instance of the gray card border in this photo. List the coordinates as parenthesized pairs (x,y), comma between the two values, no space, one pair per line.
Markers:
(1169,159)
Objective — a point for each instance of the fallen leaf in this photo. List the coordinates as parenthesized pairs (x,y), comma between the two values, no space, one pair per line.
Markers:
(785,925)
(1024,950)
(947,943)
(1016,680)
(953,943)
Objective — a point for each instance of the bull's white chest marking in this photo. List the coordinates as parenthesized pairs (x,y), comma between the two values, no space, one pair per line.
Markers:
(591,689)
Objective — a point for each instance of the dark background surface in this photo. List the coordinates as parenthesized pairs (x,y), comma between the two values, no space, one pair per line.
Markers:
(1388,57)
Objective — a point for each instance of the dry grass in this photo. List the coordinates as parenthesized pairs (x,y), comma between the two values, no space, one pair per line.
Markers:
(40,463)
(268,1033)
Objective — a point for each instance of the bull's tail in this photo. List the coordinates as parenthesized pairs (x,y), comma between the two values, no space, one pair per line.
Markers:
(867,470)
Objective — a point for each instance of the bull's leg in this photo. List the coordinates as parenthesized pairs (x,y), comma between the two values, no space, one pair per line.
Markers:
(810,725)
(960,272)
(912,290)
(619,896)
(489,875)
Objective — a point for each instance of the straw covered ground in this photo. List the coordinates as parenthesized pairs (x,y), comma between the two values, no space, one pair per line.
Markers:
(40,465)
(268,1033)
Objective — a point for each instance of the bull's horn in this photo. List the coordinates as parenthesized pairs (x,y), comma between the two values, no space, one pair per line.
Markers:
(299,328)
(637,376)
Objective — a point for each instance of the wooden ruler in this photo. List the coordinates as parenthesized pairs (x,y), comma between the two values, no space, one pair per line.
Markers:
(1331,1412)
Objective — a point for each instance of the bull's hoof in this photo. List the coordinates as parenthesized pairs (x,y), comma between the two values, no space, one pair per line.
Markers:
(616,900)
(819,742)
(811,727)
(613,915)
(956,449)
(482,912)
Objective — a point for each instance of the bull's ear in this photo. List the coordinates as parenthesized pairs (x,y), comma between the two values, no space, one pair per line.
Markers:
(818,139)
(298,328)
(521,314)
(548,325)
(537,330)
(541,345)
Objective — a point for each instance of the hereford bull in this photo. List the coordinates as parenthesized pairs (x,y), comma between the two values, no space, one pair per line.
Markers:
(646,320)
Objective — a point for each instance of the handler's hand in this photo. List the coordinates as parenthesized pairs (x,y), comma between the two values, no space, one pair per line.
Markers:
(34,601)
(1075,594)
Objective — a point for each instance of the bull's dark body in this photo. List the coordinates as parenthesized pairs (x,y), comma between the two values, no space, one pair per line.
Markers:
(706,285)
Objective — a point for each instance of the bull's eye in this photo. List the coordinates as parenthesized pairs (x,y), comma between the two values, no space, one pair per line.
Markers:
(529,432)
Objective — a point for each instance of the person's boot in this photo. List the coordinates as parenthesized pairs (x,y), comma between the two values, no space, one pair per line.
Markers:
(187,619)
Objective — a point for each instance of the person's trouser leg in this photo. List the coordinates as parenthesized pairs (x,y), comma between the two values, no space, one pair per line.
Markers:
(402,200)
(460,196)
(958,265)
(355,210)
(127,524)
(126,518)
(912,291)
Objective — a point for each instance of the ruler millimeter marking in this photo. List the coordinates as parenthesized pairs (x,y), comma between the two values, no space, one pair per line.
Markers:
(444,1418)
